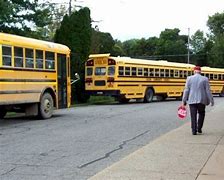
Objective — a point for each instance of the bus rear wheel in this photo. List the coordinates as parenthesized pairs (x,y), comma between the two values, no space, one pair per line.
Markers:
(46,106)
(221,94)
(148,95)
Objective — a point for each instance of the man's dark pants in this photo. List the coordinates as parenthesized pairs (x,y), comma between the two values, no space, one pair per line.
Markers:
(197,124)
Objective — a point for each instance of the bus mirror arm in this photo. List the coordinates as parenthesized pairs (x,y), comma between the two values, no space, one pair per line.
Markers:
(77,77)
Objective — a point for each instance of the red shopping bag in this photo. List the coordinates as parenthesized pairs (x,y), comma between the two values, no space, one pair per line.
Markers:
(182,112)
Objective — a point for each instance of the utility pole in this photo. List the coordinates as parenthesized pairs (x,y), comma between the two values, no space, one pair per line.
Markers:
(70,8)
(188,47)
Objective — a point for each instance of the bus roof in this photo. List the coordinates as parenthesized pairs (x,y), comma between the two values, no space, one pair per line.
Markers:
(152,62)
(205,68)
(10,39)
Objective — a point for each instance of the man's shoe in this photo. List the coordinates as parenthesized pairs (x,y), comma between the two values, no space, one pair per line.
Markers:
(194,133)
(199,131)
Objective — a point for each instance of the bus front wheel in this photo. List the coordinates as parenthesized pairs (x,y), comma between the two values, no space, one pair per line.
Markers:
(148,95)
(46,106)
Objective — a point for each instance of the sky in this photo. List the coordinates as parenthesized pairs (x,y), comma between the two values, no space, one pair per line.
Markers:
(129,19)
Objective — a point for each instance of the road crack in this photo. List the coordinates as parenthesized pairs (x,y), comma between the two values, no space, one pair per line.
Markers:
(121,146)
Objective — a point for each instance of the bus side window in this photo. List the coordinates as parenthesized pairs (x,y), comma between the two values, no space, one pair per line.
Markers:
(18,57)
(171,73)
(139,71)
(6,55)
(215,76)
(39,59)
(176,73)
(146,71)
(29,58)
(151,72)
(167,72)
(162,72)
(189,73)
(207,75)
(157,73)
(127,71)
(49,60)
(211,76)
(133,71)
(219,77)
(185,74)
(121,70)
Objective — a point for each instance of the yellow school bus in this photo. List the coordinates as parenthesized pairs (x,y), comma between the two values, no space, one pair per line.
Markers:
(126,78)
(34,76)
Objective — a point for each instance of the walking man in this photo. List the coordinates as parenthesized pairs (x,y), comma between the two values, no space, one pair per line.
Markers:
(197,94)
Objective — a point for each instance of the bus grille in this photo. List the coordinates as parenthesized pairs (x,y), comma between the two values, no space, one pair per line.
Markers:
(100,83)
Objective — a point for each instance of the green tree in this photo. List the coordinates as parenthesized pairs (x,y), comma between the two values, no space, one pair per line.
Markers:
(118,49)
(75,32)
(216,23)
(101,42)
(216,26)
(198,45)
(172,46)
(23,17)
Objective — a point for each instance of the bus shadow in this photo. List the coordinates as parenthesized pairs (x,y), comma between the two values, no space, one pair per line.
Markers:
(22,118)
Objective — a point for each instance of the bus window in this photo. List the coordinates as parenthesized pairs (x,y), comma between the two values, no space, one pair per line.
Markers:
(185,74)
(127,71)
(211,76)
(121,70)
(6,56)
(167,72)
(162,72)
(49,60)
(156,72)
(171,73)
(207,75)
(89,71)
(176,73)
(111,70)
(29,58)
(146,71)
(215,76)
(39,59)
(18,57)
(151,72)
(133,71)
(219,77)
(181,73)
(100,71)
(139,71)
(189,73)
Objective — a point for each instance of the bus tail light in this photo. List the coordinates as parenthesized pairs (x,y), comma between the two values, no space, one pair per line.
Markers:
(111,62)
(110,79)
(90,62)
(88,80)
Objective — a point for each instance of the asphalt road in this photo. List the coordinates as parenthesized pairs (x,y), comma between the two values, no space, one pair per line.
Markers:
(79,142)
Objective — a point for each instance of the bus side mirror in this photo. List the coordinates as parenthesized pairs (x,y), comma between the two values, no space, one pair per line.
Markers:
(77,77)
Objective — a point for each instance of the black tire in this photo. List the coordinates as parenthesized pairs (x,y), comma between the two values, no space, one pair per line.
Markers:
(2,113)
(221,94)
(46,106)
(149,93)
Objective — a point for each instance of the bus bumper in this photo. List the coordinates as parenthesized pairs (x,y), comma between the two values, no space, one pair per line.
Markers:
(114,93)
